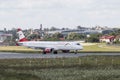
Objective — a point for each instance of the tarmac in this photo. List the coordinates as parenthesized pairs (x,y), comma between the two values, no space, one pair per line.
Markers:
(10,55)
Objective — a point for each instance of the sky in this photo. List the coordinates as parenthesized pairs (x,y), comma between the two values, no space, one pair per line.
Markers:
(27,14)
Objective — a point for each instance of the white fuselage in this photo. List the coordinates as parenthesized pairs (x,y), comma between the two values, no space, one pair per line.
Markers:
(48,46)
(56,45)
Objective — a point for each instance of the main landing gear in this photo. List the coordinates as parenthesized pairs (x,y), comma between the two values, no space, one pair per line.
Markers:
(52,51)
(75,51)
(55,52)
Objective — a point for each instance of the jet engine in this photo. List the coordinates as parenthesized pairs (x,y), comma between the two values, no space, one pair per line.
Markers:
(49,50)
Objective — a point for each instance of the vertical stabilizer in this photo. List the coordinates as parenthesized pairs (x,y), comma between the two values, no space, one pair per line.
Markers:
(21,35)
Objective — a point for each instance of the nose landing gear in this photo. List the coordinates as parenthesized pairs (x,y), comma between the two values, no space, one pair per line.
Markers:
(75,51)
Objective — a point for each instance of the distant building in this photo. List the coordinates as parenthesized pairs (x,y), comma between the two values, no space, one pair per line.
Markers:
(78,31)
(117,38)
(107,39)
(3,37)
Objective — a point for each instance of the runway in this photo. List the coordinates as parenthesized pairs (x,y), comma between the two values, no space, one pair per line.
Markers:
(9,55)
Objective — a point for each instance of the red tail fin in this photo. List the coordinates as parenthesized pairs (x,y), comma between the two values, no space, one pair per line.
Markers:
(21,35)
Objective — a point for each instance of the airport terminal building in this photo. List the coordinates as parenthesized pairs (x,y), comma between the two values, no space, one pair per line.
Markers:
(80,31)
(4,38)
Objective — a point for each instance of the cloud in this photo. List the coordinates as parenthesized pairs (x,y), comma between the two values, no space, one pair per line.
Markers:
(59,12)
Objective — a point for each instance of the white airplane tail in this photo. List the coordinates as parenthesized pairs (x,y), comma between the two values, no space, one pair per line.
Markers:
(21,35)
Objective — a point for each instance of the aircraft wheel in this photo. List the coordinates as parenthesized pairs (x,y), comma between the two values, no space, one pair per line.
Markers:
(44,52)
(76,52)
(55,52)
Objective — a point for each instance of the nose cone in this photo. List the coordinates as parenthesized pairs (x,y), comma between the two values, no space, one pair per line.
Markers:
(81,47)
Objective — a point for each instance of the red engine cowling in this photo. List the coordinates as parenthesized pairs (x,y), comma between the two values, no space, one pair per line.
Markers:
(47,50)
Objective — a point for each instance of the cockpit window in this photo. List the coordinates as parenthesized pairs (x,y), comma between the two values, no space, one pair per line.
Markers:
(78,44)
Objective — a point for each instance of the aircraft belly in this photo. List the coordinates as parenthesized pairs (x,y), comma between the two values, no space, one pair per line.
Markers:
(65,47)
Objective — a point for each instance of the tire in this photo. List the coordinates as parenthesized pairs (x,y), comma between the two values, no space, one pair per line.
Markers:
(55,52)
(44,52)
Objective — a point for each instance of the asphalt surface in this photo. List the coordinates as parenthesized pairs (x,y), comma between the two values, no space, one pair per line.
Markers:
(9,55)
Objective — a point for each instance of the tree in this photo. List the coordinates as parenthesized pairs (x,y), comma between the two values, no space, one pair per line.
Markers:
(53,28)
(71,36)
(14,36)
(54,37)
(57,35)
(75,36)
(93,38)
(46,29)
(115,32)
(82,36)
(33,37)
(79,27)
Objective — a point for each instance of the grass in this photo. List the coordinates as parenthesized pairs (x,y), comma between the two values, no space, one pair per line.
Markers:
(19,49)
(82,68)
(78,74)
(99,47)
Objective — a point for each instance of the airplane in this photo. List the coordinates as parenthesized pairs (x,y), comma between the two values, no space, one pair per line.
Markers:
(48,46)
